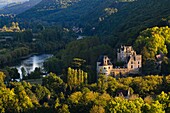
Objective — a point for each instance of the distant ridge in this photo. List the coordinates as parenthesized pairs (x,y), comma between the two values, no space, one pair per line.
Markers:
(71,12)
(123,19)
(47,7)
(18,7)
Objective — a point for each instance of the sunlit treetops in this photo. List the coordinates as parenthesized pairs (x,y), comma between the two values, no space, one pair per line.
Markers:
(153,41)
(76,77)
(13,28)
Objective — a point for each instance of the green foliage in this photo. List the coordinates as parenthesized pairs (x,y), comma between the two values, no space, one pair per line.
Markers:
(165,70)
(25,36)
(137,105)
(24,73)
(87,51)
(88,100)
(64,109)
(54,83)
(13,73)
(75,95)
(52,78)
(108,95)
(40,92)
(150,67)
(23,44)
(148,85)
(153,41)
(77,63)
(63,12)
(155,107)
(8,101)
(2,78)
(163,98)
(54,65)
(125,24)
(13,55)
(80,49)
(122,105)
(76,77)
(24,101)
(97,109)
(35,75)
(133,18)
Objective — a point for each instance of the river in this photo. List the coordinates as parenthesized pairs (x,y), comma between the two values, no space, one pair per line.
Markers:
(32,62)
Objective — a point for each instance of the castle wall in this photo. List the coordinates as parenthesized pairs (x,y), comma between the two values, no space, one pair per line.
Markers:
(105,69)
(123,71)
(119,71)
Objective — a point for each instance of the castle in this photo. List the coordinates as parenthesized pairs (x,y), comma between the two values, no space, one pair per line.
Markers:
(126,56)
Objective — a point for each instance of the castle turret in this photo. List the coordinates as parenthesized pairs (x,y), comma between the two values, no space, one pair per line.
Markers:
(104,65)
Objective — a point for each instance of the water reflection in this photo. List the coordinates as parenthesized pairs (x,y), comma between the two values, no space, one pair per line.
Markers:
(31,63)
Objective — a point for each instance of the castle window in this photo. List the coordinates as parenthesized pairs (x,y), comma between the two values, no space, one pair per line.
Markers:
(138,62)
(132,62)
(104,67)
(138,66)
(131,66)
(109,67)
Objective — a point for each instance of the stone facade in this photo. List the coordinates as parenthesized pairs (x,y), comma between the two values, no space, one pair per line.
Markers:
(132,63)
(124,52)
(104,65)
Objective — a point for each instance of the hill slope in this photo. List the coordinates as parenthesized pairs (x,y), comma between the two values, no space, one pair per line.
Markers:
(47,7)
(123,19)
(135,17)
(17,8)
(71,12)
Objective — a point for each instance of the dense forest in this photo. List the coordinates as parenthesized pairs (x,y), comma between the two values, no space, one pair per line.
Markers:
(24,42)
(74,87)
(147,94)
(72,12)
(123,19)
(77,32)
(135,17)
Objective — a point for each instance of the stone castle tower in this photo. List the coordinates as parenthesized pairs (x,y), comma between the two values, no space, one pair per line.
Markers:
(128,55)
(104,65)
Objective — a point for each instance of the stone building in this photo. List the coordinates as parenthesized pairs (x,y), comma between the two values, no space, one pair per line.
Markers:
(127,56)
(124,52)
(104,65)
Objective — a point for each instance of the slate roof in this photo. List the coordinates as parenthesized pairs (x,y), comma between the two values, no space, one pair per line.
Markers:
(101,59)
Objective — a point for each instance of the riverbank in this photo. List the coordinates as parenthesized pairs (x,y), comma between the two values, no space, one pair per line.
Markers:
(18,60)
(30,55)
